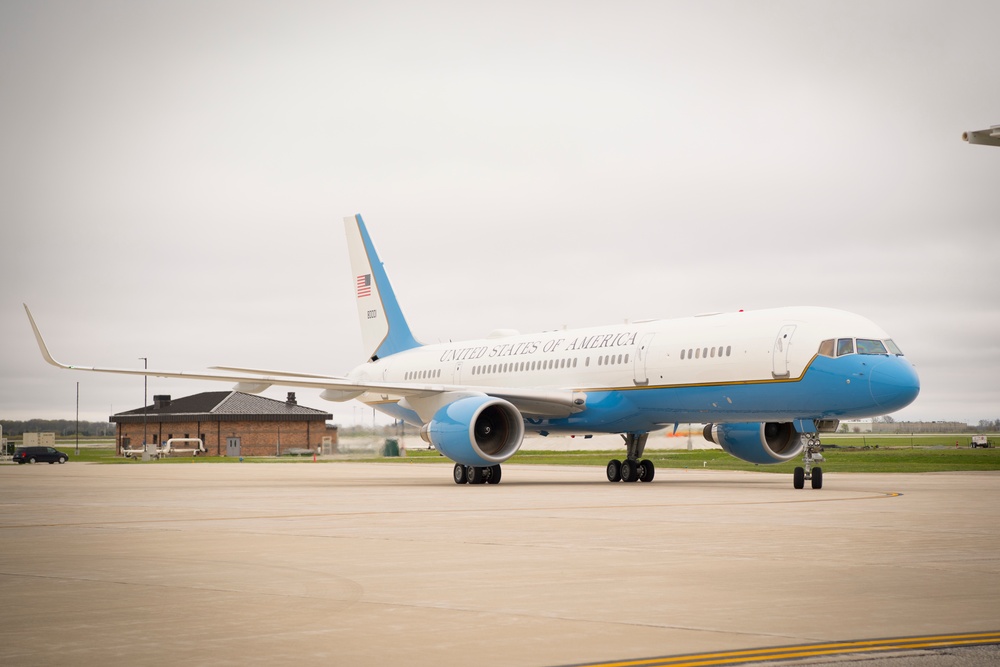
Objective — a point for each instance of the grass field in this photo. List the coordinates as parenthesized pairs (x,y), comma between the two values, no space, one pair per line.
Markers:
(842,453)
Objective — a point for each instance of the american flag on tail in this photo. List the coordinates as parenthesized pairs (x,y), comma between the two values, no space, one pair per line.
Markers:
(364,285)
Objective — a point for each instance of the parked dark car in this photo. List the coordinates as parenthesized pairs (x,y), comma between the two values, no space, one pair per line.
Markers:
(39,455)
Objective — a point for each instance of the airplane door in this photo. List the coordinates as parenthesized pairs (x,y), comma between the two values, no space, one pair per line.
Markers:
(458,373)
(639,375)
(779,358)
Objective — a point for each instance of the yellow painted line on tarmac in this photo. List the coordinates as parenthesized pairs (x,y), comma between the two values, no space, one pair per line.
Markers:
(808,651)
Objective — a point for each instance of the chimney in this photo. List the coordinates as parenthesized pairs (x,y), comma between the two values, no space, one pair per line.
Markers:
(291,399)
(161,401)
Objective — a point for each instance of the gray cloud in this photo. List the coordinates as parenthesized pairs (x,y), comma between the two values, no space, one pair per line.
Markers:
(173,178)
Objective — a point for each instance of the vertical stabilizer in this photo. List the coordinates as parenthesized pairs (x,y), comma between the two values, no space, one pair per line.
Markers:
(384,330)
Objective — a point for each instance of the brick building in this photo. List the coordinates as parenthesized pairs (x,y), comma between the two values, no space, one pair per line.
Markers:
(230,423)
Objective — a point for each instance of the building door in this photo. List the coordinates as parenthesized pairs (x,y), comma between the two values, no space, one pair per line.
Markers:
(232,446)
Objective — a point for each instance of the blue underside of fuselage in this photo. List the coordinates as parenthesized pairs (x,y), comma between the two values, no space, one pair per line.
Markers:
(855,386)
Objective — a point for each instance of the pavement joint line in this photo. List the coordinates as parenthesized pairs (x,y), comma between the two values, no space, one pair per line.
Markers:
(465,510)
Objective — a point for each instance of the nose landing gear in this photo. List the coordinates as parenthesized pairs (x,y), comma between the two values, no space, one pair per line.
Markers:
(810,456)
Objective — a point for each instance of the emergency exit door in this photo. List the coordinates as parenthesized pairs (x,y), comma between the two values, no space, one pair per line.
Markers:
(779,359)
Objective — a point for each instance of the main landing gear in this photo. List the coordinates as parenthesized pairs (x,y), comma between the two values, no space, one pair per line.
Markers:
(632,469)
(811,454)
(476,475)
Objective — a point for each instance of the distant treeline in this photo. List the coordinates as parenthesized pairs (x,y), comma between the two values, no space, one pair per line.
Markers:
(61,427)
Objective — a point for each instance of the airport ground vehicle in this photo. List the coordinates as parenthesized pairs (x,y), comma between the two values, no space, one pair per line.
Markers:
(39,455)
(980,441)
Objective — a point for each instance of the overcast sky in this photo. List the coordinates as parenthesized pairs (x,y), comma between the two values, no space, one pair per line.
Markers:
(174,178)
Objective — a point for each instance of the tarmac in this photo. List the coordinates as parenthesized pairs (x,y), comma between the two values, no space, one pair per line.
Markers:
(373,564)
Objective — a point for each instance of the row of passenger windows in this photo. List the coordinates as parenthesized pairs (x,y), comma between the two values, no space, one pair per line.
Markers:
(423,375)
(519,366)
(845,346)
(707,352)
(548,364)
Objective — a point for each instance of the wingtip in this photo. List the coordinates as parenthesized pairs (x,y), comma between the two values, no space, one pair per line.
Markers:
(41,343)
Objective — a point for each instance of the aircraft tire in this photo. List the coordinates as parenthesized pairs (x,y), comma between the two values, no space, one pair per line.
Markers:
(614,470)
(476,475)
(817,478)
(459,474)
(799,478)
(646,471)
(494,475)
(630,472)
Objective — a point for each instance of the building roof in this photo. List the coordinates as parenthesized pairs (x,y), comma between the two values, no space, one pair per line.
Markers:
(221,406)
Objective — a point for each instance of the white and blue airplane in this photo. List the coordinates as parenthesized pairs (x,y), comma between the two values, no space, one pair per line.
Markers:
(766,382)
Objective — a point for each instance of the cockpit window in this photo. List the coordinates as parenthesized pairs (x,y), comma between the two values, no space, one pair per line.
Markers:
(893,348)
(826,348)
(845,346)
(868,346)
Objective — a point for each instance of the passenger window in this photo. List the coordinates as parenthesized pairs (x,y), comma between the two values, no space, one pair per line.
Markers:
(868,346)
(713,353)
(845,346)
(682,354)
(826,348)
(728,349)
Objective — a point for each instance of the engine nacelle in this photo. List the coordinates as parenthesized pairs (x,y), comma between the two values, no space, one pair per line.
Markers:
(476,431)
(767,442)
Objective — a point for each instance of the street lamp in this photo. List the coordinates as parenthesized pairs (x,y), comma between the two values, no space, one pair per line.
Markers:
(145,380)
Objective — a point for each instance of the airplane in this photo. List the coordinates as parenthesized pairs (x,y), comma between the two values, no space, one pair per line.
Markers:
(766,383)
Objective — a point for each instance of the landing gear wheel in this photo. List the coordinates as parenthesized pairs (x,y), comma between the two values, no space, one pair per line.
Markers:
(799,478)
(646,470)
(817,478)
(476,475)
(614,470)
(460,475)
(494,476)
(630,471)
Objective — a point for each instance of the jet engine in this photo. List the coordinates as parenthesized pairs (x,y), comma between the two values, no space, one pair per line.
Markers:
(767,442)
(476,431)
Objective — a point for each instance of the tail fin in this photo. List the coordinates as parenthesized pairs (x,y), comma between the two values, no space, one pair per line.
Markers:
(384,330)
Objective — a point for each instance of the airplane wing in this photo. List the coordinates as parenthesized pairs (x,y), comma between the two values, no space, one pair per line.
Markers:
(531,402)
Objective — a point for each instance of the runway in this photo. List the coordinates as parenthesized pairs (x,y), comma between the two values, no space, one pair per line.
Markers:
(365,564)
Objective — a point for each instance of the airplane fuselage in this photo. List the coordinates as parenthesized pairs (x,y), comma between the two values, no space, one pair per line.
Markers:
(762,365)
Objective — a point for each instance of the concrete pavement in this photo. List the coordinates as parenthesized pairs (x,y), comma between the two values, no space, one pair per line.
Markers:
(365,564)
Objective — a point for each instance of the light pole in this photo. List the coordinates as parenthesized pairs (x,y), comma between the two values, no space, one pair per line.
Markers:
(145,380)
(77,418)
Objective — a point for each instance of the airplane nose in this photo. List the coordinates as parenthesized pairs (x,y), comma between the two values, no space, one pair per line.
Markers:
(894,384)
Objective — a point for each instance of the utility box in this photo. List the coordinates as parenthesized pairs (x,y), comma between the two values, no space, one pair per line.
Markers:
(391,447)
(39,440)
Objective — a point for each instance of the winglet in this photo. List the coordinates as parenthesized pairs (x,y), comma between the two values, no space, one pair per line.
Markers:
(41,343)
